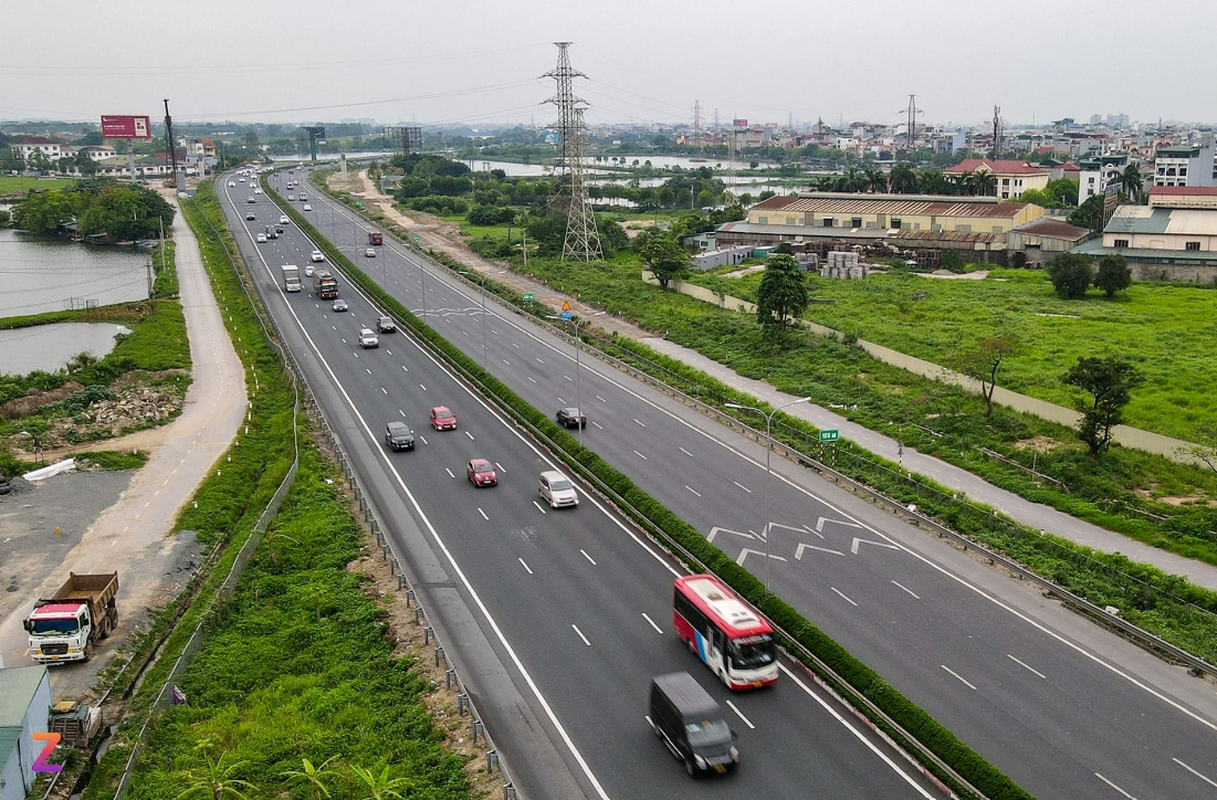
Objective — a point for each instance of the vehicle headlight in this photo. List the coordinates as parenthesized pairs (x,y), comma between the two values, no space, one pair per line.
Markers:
(734,753)
(700,762)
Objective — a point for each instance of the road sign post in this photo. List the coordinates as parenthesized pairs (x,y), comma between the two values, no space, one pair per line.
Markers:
(528,296)
(829,436)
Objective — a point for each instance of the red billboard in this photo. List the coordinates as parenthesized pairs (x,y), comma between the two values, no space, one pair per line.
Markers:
(122,127)
(741,123)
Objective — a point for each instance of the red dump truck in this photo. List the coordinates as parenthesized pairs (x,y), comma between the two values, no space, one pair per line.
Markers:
(65,626)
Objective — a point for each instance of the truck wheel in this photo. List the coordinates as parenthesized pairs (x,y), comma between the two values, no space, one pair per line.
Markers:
(103,628)
(113,615)
(88,655)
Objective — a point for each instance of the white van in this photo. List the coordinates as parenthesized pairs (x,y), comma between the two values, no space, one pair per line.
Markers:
(557,490)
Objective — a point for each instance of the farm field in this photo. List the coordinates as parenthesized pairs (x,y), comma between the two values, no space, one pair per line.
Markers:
(1167,331)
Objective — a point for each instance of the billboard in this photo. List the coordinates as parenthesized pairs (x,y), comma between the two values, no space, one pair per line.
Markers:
(124,127)
(741,123)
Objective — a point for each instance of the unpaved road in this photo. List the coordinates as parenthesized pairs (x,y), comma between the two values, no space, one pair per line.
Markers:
(121,521)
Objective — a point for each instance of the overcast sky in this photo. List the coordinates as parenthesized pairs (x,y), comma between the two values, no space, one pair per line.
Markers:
(480,61)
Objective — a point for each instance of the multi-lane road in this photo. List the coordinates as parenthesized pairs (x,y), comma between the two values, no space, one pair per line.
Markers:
(574,607)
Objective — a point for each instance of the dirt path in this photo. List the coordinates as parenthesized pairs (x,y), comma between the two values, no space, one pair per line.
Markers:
(445,237)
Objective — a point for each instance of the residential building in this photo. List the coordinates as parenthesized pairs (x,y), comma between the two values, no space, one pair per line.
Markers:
(28,145)
(1188,164)
(1100,172)
(1013,177)
(25,697)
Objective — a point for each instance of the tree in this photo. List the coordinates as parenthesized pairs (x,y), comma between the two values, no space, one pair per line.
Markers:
(1089,214)
(782,293)
(666,259)
(952,261)
(876,181)
(984,183)
(982,362)
(903,179)
(1114,275)
(1110,382)
(1071,275)
(1131,184)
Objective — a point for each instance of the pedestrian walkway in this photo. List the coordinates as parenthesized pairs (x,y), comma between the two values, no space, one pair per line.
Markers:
(1034,515)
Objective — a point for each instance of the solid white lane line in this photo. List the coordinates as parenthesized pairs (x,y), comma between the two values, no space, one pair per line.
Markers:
(742,486)
(538,505)
(653,625)
(740,714)
(640,455)
(581,636)
(483,513)
(694,491)
(907,589)
(1024,666)
(1112,785)
(842,596)
(956,674)
(525,564)
(589,558)
(1204,778)
(450,474)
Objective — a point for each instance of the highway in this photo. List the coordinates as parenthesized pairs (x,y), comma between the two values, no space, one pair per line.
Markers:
(1064,708)
(555,620)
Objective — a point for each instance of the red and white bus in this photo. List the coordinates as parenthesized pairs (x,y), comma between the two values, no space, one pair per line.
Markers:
(724,631)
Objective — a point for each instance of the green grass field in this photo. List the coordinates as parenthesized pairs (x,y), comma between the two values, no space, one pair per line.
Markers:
(1167,331)
(17,183)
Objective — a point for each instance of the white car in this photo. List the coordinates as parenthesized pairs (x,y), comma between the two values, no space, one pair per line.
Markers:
(291,197)
(307,207)
(317,255)
(232,184)
(308,270)
(261,237)
(283,220)
(370,252)
(368,338)
(303,197)
(257,190)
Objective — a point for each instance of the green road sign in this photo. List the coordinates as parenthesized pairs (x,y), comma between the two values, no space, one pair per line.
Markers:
(528,295)
(416,238)
(829,436)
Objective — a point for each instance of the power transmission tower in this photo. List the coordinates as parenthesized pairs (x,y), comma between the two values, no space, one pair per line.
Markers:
(912,121)
(582,238)
(997,131)
(716,123)
(564,98)
(697,124)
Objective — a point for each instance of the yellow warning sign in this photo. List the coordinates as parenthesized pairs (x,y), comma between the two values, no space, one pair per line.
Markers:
(565,305)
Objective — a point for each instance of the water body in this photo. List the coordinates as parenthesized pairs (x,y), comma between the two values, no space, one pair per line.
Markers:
(41,274)
(51,347)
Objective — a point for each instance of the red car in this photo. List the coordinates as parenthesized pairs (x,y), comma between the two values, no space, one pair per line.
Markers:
(442,419)
(481,473)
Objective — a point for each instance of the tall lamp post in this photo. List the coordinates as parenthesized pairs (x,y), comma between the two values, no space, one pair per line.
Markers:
(578,370)
(768,470)
(481,279)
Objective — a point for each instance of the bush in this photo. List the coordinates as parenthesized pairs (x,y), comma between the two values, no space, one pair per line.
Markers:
(952,261)
(1071,275)
(490,215)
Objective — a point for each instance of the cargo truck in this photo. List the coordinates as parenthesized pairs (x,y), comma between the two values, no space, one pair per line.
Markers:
(291,278)
(375,237)
(66,626)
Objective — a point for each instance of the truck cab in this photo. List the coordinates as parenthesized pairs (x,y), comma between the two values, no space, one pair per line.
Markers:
(66,626)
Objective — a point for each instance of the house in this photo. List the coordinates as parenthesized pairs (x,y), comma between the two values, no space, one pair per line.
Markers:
(1189,164)
(25,696)
(1172,238)
(97,152)
(28,145)
(1042,240)
(1098,173)
(1013,177)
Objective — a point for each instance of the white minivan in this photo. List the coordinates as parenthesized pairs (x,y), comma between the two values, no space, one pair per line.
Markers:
(557,490)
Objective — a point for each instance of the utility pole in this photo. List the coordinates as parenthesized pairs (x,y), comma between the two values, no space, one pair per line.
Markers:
(171,143)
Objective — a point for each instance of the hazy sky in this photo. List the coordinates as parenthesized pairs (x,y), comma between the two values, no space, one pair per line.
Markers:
(479,61)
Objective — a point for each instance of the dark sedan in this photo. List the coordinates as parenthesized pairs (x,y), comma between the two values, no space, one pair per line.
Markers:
(571,418)
(398,436)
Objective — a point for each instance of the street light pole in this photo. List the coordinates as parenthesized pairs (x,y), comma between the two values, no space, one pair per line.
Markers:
(578,369)
(482,278)
(768,469)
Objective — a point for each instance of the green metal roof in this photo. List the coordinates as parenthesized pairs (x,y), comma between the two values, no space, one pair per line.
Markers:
(17,688)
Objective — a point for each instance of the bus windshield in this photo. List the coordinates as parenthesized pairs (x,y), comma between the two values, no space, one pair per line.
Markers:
(751,653)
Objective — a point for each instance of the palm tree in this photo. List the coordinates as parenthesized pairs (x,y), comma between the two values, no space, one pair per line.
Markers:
(216,782)
(876,181)
(381,787)
(313,776)
(1130,183)
(934,182)
(904,179)
(983,183)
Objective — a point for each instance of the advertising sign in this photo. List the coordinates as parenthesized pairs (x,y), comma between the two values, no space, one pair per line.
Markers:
(741,123)
(115,126)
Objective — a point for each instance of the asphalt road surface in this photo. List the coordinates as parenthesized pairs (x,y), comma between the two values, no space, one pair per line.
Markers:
(1067,710)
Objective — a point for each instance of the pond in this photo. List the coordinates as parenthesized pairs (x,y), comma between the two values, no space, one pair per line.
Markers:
(51,347)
